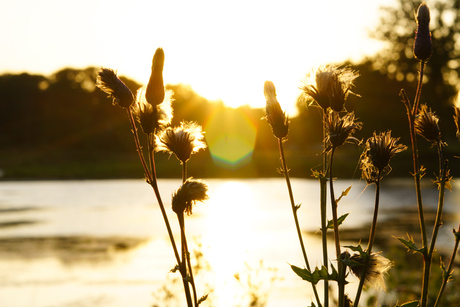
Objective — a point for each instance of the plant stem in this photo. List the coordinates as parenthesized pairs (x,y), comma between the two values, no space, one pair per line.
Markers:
(449,269)
(418,176)
(148,174)
(371,240)
(187,253)
(184,257)
(336,232)
(294,212)
(323,208)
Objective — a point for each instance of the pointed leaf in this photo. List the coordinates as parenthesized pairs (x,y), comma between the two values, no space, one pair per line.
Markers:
(410,244)
(317,275)
(340,220)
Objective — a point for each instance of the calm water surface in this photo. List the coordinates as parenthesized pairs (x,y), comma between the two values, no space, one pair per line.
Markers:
(104,243)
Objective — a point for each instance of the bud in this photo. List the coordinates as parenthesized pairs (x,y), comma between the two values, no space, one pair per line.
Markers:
(375,270)
(331,87)
(422,45)
(108,81)
(155,92)
(426,125)
(380,148)
(340,129)
(188,194)
(153,118)
(183,141)
(274,115)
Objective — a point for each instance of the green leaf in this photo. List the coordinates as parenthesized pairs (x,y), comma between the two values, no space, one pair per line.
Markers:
(317,275)
(340,220)
(410,244)
(344,193)
(356,248)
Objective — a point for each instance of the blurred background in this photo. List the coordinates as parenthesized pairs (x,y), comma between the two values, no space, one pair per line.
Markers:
(54,123)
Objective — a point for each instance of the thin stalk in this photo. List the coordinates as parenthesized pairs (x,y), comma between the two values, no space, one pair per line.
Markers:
(438,222)
(183,264)
(336,232)
(187,253)
(323,207)
(148,174)
(294,212)
(371,240)
(418,175)
(449,270)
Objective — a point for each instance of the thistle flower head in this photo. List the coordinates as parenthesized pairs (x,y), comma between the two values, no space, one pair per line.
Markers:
(155,93)
(108,81)
(153,117)
(332,87)
(380,148)
(422,45)
(375,271)
(457,114)
(426,125)
(191,192)
(183,141)
(277,119)
(340,129)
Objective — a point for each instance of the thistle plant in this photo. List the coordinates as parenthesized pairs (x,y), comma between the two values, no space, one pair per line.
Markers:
(425,123)
(152,109)
(279,122)
(370,267)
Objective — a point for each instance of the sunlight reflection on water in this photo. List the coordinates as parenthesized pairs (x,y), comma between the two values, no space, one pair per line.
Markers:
(104,243)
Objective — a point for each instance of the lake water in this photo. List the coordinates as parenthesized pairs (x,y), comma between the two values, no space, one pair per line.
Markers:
(104,243)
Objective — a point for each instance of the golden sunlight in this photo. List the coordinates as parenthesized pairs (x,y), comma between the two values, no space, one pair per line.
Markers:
(229,235)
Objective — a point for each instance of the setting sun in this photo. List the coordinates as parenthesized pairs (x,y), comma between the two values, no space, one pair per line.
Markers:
(224,50)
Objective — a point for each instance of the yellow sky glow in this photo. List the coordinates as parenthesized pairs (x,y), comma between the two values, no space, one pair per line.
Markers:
(224,49)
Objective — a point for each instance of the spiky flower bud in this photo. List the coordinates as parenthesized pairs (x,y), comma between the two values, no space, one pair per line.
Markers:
(340,129)
(182,141)
(153,118)
(332,87)
(277,119)
(380,148)
(426,125)
(376,268)
(422,45)
(108,81)
(155,93)
(191,192)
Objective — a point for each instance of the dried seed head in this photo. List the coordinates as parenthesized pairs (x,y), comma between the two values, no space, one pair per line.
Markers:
(426,125)
(340,129)
(153,118)
(375,270)
(422,45)
(191,192)
(183,141)
(108,81)
(277,119)
(155,93)
(331,88)
(377,154)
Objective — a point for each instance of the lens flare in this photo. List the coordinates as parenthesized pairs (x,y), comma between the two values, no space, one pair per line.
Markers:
(230,136)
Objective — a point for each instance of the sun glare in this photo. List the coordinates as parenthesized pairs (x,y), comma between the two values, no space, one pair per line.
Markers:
(230,225)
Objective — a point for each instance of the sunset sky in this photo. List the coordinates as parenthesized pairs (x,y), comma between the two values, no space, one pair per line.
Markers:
(224,49)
